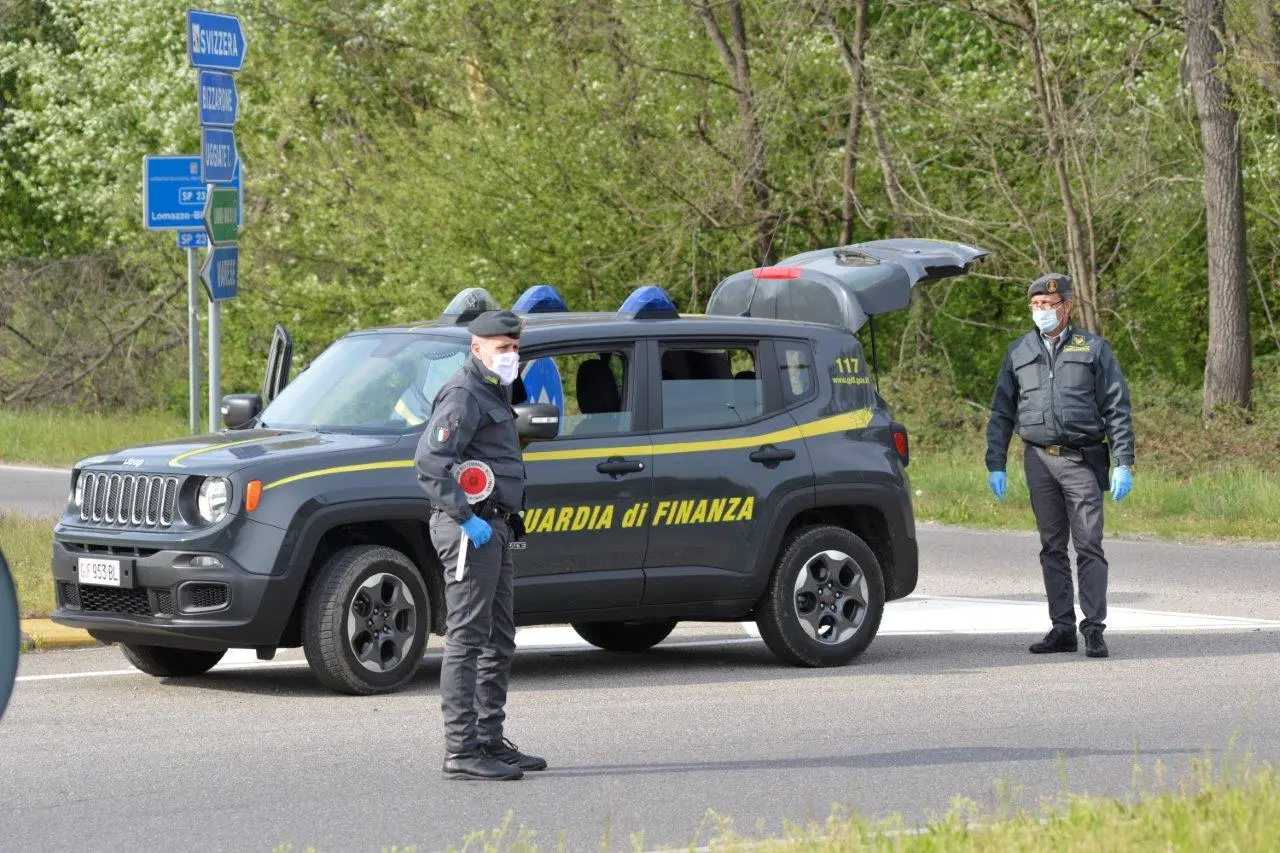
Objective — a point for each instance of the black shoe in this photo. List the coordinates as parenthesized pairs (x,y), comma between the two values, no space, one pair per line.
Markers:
(1057,640)
(1094,645)
(507,753)
(479,764)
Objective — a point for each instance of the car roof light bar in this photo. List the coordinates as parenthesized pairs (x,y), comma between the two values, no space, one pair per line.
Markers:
(540,299)
(470,304)
(647,303)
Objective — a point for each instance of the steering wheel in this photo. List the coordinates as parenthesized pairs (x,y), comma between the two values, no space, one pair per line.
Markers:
(9,636)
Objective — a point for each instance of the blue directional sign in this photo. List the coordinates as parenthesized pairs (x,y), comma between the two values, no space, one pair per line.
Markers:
(221,273)
(217,99)
(193,240)
(542,383)
(215,41)
(217,155)
(173,196)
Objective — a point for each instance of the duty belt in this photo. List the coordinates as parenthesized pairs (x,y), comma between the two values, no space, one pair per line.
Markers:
(1075,454)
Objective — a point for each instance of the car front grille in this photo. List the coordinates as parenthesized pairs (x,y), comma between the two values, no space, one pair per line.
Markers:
(129,500)
(109,599)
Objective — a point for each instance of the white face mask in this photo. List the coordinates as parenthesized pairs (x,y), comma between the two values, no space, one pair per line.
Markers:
(1046,319)
(507,366)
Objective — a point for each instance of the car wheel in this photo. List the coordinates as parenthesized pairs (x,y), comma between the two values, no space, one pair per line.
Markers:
(366,620)
(624,636)
(825,598)
(165,662)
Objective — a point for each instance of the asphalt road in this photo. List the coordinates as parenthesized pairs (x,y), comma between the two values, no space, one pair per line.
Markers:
(33,492)
(946,702)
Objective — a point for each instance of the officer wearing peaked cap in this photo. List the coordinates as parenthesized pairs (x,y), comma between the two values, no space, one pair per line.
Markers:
(472,421)
(1061,389)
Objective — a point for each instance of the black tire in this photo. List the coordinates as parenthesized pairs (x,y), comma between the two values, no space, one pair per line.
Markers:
(624,636)
(395,633)
(166,662)
(791,602)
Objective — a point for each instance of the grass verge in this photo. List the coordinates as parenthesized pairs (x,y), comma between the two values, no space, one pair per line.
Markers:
(1237,811)
(28,547)
(62,438)
(1238,502)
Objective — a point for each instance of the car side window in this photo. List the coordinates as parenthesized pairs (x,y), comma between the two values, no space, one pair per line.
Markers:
(592,390)
(710,386)
(797,371)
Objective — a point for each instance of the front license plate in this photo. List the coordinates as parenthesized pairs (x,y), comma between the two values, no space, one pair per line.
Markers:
(99,572)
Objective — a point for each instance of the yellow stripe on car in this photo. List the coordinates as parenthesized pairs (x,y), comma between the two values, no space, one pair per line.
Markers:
(176,462)
(341,469)
(857,419)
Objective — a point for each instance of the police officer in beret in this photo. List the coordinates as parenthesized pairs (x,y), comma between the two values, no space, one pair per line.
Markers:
(472,419)
(1061,389)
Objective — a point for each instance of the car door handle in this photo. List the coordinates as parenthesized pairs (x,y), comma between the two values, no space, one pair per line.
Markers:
(769,453)
(616,467)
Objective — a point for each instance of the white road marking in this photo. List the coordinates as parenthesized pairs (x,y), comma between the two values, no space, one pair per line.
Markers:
(32,469)
(916,615)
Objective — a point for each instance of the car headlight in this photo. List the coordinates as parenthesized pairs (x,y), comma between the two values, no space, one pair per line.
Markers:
(77,490)
(213,499)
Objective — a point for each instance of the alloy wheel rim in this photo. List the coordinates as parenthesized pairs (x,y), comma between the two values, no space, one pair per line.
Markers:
(382,619)
(830,597)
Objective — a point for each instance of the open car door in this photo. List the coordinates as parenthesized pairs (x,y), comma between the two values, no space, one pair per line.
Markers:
(843,285)
(279,363)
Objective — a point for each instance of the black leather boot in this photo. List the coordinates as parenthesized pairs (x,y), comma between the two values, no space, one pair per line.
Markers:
(506,752)
(1058,639)
(479,764)
(1094,645)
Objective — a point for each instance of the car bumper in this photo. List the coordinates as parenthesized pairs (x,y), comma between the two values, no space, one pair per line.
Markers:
(163,598)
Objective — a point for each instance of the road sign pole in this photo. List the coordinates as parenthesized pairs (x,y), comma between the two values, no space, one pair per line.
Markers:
(215,360)
(193,342)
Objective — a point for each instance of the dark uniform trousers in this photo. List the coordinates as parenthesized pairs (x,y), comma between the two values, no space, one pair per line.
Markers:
(480,634)
(1067,501)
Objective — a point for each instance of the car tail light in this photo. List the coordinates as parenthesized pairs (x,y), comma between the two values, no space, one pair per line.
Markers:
(777,272)
(901,443)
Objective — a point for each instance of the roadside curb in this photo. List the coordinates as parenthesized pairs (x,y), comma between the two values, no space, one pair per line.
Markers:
(44,634)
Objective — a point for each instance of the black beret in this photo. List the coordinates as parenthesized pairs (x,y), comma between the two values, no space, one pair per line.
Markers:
(1054,282)
(495,324)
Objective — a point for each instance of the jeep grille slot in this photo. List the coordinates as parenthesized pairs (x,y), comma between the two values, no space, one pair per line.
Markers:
(129,500)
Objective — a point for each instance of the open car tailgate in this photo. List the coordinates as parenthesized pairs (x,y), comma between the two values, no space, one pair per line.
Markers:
(843,285)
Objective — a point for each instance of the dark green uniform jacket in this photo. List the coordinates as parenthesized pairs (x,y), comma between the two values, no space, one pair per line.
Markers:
(1075,401)
(472,419)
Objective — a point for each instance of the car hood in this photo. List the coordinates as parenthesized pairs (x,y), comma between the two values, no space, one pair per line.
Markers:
(223,453)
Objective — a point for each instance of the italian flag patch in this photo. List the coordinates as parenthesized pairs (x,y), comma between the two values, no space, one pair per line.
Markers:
(440,435)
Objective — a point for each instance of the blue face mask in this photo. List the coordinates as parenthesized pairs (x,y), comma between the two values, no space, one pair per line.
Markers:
(1046,319)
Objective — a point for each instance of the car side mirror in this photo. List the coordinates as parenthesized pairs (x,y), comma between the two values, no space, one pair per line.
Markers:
(537,421)
(239,409)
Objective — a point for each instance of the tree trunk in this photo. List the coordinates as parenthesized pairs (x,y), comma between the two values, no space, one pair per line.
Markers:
(1228,366)
(852,56)
(849,197)
(735,62)
(1082,272)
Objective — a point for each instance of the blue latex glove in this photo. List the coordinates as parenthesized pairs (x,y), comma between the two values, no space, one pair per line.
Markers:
(478,530)
(1121,482)
(998,481)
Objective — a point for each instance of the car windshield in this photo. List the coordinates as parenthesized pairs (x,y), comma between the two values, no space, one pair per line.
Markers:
(369,382)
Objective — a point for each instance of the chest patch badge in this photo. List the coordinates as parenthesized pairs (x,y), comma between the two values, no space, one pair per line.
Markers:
(1077,340)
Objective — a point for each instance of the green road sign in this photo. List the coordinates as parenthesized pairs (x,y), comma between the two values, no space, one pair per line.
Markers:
(220,215)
